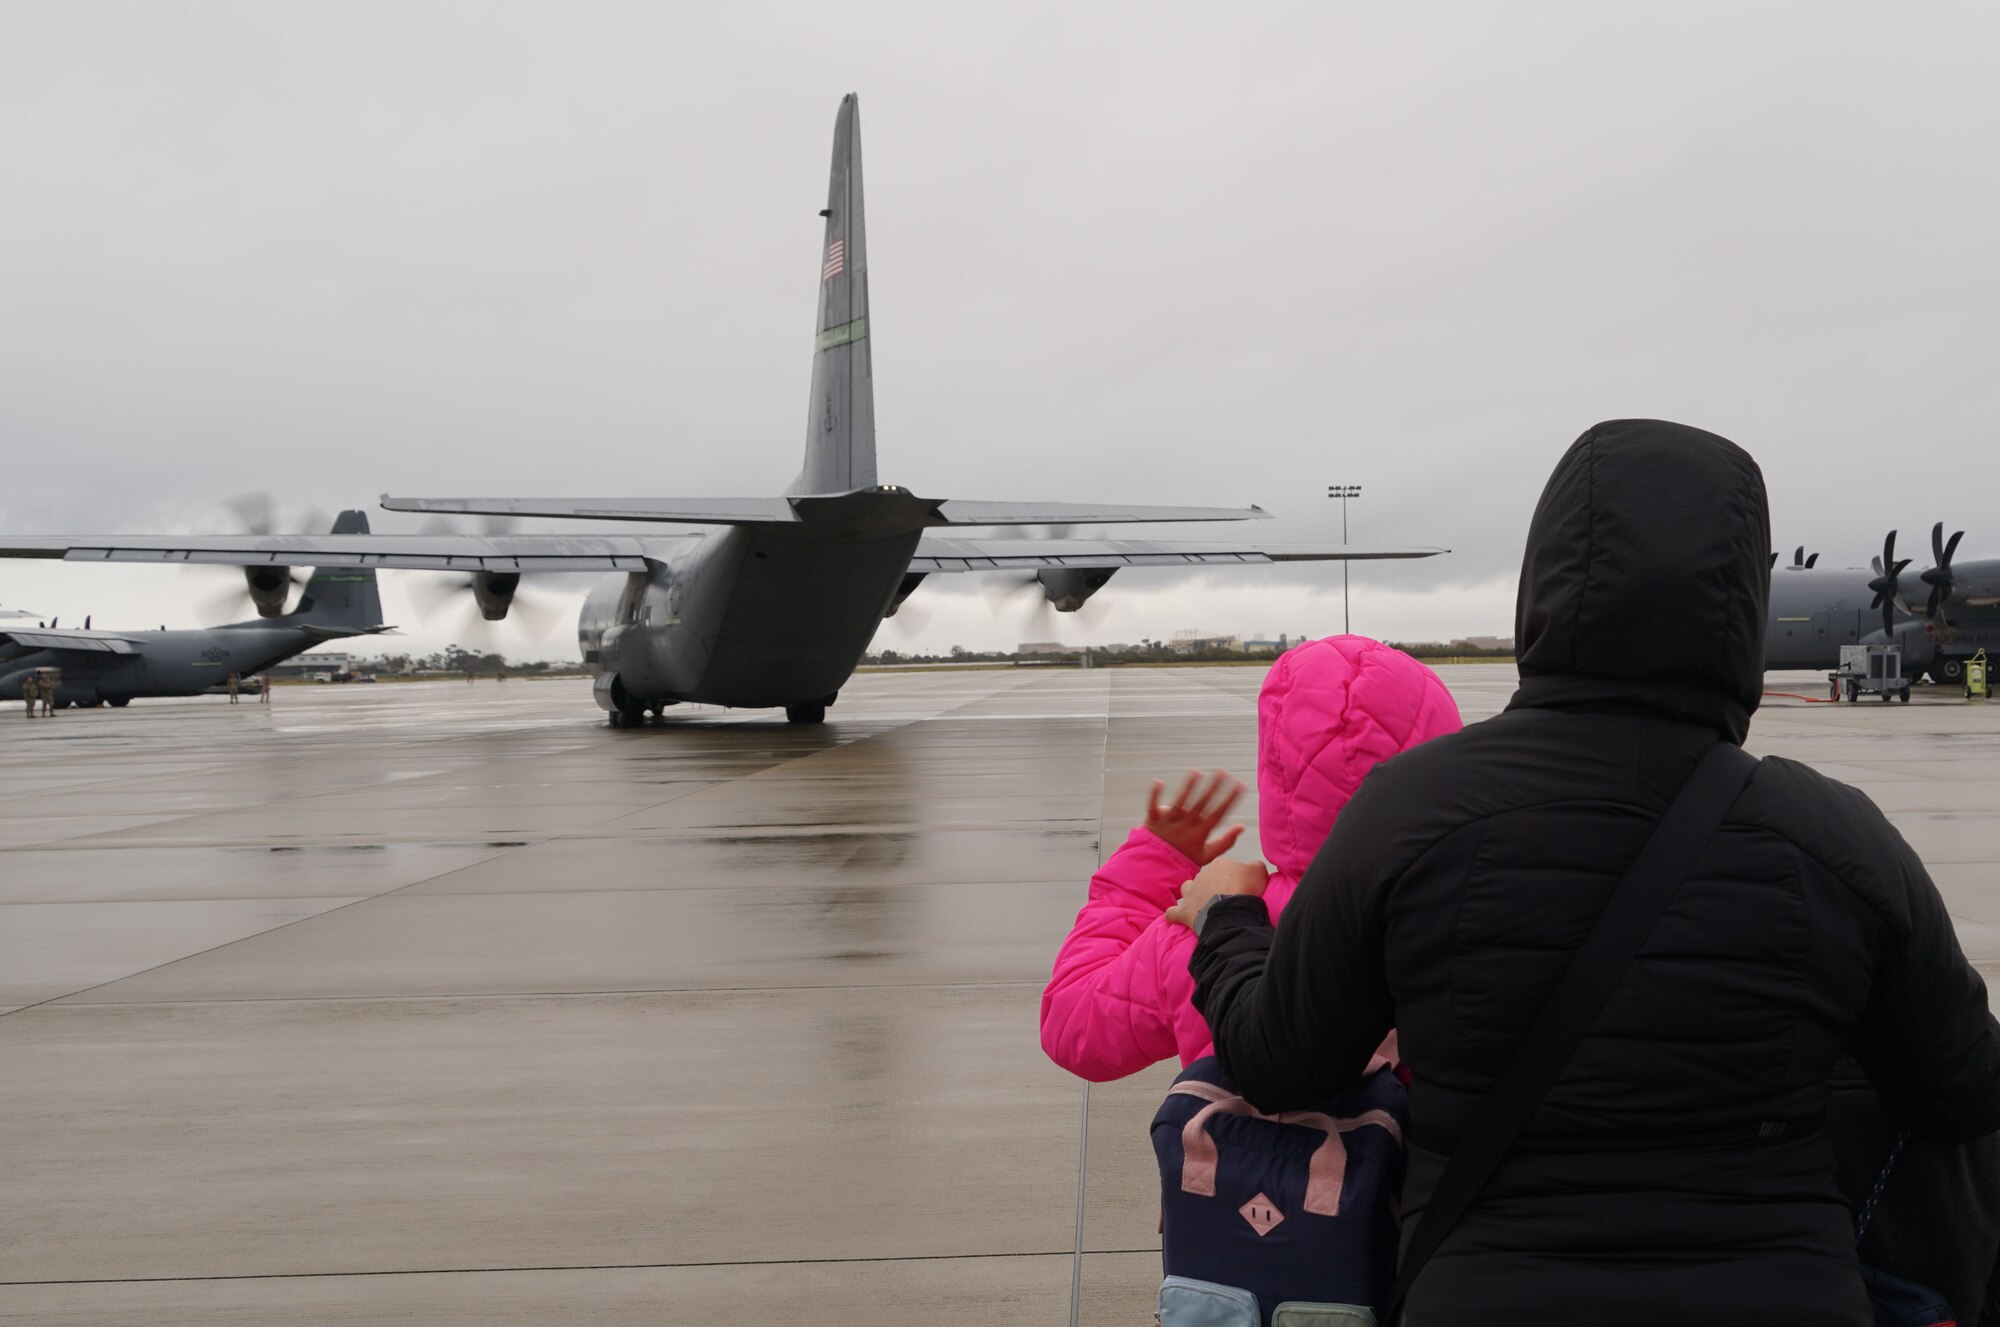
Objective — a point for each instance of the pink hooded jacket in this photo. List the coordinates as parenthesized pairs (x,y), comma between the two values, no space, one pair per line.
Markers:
(1330,710)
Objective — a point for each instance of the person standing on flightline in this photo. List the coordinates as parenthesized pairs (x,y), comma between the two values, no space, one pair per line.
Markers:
(48,690)
(264,689)
(235,683)
(31,692)
(1679,1169)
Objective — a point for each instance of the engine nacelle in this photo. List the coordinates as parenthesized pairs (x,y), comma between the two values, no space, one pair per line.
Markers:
(494,592)
(1068,587)
(269,588)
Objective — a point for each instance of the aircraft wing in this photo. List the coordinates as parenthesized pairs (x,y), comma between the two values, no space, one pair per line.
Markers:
(809,507)
(67,638)
(412,552)
(937,553)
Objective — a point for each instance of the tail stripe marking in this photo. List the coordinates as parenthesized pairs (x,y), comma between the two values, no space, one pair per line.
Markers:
(842,335)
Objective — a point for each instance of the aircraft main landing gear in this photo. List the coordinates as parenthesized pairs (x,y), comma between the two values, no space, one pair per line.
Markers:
(812,711)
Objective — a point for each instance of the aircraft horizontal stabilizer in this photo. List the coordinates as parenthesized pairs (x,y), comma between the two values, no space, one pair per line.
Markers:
(948,555)
(960,512)
(342,633)
(685,511)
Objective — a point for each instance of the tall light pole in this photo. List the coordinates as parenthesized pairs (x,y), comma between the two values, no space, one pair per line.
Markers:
(1343,492)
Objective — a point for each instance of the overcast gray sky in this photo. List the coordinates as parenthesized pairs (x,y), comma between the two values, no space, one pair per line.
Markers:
(1153,252)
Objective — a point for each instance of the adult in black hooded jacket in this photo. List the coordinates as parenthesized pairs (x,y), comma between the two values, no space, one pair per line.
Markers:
(1460,879)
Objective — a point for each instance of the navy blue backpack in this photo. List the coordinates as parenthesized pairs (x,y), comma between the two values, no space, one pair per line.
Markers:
(1274,1220)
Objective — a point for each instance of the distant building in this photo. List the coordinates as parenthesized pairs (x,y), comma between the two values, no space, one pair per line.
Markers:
(319,661)
(1194,641)
(1485,642)
(1268,645)
(1046,647)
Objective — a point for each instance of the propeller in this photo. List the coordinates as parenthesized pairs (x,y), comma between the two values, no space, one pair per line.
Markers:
(1887,592)
(1092,613)
(254,513)
(1938,577)
(909,622)
(1022,595)
(456,594)
(258,513)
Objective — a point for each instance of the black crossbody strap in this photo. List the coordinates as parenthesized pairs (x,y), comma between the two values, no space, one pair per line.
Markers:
(1593,974)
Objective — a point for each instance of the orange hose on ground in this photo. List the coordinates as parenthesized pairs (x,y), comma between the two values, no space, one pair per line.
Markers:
(1810,700)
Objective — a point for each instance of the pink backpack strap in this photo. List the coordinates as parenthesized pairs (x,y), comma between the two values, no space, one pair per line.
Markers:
(1329,1161)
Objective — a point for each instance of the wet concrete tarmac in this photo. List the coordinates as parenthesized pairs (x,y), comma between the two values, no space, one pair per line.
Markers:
(449,1005)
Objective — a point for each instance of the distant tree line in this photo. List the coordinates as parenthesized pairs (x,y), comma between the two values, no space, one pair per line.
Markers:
(1156,651)
(458,659)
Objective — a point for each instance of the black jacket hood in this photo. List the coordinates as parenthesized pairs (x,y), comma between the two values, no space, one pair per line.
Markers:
(1647,577)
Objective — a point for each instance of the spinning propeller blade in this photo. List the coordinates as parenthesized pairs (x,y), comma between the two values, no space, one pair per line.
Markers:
(1938,577)
(1887,591)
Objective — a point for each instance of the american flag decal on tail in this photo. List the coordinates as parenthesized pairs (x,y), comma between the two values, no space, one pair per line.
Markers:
(836,259)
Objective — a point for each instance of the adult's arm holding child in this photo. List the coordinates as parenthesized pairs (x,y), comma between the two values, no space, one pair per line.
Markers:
(1297,1011)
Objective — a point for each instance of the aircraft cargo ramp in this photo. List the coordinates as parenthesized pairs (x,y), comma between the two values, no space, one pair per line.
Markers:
(447,1004)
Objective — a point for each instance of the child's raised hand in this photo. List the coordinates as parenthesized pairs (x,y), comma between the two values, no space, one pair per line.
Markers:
(1189,822)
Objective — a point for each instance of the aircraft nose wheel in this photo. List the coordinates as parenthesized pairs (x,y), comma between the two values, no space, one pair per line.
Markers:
(812,713)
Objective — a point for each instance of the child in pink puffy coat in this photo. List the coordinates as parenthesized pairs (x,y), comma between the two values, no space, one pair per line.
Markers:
(1121,997)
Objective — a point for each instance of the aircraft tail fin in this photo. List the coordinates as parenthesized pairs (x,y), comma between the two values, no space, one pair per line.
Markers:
(840,421)
(342,600)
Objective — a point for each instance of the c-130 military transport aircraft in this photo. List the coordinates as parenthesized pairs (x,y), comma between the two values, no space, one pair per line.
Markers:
(776,607)
(1941,616)
(113,667)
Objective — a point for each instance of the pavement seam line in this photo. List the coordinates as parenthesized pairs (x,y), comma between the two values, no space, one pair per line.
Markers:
(1083,1128)
(560,1267)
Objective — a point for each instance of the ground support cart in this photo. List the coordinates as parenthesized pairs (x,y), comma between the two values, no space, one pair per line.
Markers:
(1870,669)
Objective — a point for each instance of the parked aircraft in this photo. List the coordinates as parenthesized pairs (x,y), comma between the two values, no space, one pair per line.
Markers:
(115,666)
(1941,616)
(776,605)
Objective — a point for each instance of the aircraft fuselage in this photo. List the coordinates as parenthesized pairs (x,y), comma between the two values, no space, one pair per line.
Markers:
(749,616)
(1815,611)
(166,663)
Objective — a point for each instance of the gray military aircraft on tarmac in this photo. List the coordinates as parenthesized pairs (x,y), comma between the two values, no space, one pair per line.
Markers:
(114,667)
(1941,616)
(776,606)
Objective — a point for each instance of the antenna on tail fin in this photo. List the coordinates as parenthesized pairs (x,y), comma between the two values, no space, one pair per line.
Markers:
(840,418)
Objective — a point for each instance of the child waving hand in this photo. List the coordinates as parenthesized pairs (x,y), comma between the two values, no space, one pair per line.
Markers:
(1329,711)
